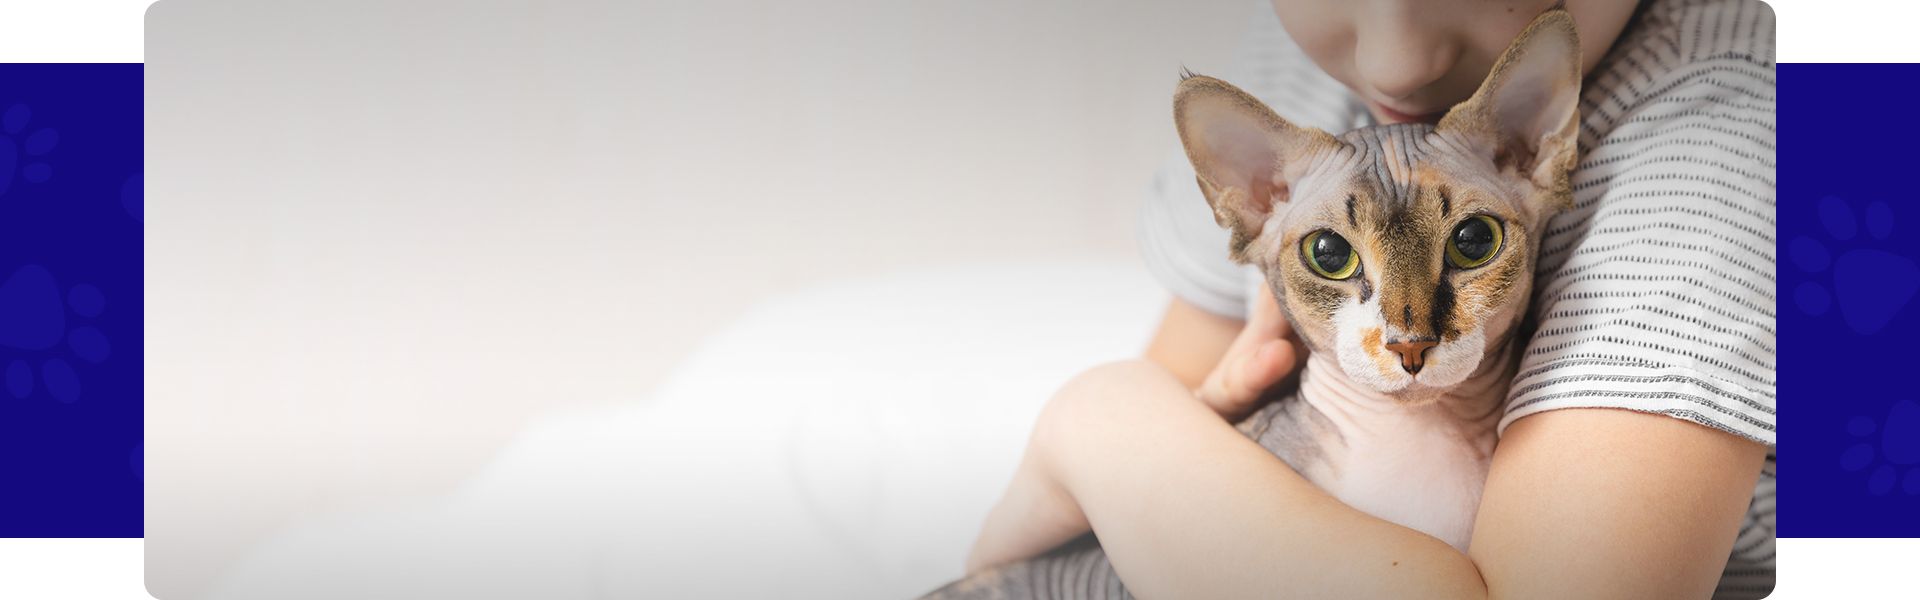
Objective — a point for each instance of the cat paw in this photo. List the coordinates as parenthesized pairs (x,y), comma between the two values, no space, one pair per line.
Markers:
(1868,286)
(35,319)
(22,152)
(1891,454)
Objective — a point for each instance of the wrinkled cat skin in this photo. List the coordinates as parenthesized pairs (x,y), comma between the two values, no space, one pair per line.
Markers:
(1412,350)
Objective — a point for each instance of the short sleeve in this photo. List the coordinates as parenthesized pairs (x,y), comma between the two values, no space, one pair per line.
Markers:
(1655,292)
(1184,249)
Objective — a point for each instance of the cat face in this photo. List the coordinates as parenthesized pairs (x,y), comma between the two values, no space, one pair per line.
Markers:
(1403,251)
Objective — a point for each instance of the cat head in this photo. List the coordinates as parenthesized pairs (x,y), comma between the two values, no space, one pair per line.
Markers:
(1406,250)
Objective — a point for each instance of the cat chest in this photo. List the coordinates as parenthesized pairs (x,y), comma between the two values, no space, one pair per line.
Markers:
(1426,480)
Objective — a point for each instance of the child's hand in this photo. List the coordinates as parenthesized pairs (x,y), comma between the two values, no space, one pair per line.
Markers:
(1266,352)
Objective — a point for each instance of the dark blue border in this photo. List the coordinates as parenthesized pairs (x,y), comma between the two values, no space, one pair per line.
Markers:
(1849,338)
(71,279)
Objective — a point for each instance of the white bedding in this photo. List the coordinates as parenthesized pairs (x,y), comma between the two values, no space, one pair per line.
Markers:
(844,442)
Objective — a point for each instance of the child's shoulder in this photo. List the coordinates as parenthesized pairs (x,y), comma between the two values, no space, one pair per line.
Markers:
(1678,32)
(1678,58)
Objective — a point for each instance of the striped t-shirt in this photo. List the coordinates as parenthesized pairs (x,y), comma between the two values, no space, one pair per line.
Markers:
(1655,292)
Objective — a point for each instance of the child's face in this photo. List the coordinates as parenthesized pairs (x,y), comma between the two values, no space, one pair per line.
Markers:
(1412,59)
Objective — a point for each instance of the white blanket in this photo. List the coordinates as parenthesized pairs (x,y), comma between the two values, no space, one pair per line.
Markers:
(844,442)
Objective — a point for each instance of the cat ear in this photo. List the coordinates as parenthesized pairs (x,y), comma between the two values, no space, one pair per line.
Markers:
(1526,114)
(1241,152)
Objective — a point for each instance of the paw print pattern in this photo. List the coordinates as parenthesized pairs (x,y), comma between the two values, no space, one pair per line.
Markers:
(22,152)
(133,196)
(1891,459)
(34,320)
(1868,286)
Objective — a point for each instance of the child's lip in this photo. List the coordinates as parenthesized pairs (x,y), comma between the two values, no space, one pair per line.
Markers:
(1404,117)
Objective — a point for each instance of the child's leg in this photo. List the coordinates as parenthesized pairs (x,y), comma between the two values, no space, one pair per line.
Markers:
(1077,570)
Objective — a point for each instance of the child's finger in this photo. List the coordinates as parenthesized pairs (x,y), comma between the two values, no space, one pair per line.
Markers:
(1265,315)
(1235,388)
(1266,367)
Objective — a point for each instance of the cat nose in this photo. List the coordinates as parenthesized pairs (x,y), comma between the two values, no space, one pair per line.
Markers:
(1413,352)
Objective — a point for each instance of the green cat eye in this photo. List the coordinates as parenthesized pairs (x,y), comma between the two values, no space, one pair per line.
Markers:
(1329,255)
(1474,242)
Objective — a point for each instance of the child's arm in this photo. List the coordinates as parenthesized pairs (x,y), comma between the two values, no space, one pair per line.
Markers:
(1579,503)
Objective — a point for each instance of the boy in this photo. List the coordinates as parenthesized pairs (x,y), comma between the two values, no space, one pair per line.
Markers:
(1654,294)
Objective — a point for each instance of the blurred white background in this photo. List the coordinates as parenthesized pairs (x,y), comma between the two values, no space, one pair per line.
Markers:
(611,299)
